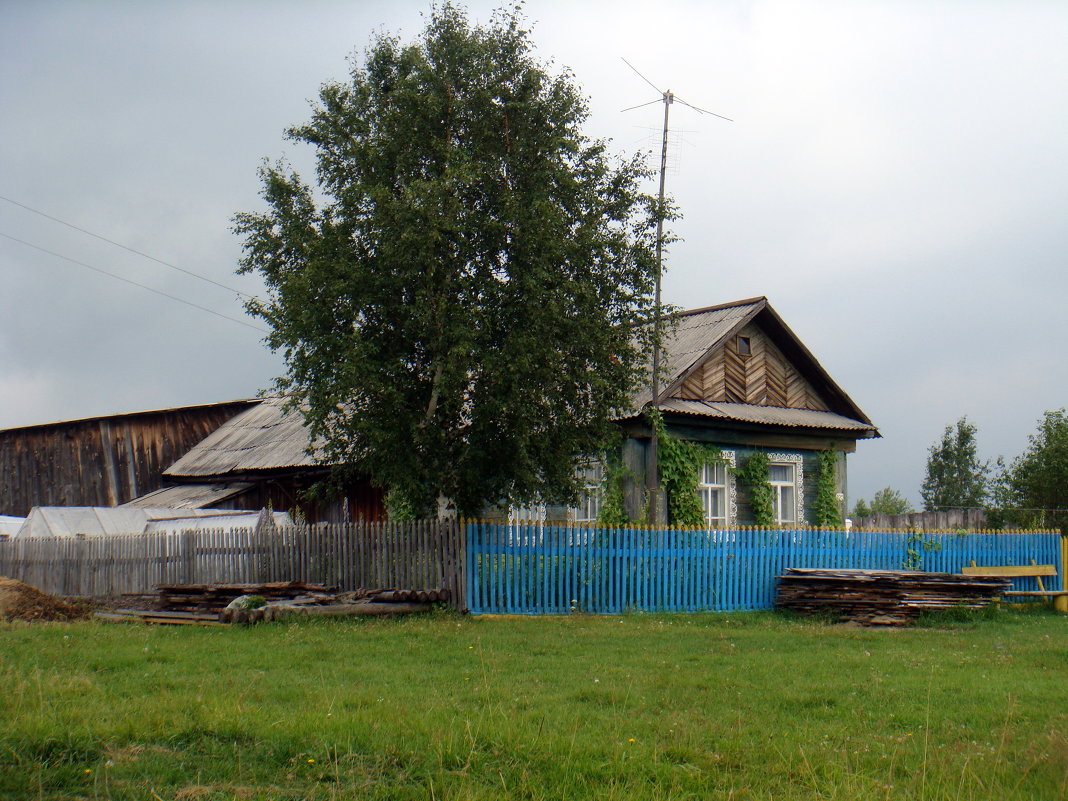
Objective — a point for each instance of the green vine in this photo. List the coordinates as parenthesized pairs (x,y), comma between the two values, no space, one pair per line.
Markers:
(680,463)
(754,475)
(613,513)
(915,547)
(825,510)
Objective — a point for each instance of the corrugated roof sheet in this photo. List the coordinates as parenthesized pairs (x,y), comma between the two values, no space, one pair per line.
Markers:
(189,496)
(768,415)
(695,333)
(264,437)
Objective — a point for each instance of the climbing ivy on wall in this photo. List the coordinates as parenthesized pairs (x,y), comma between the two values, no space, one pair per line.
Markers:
(613,513)
(754,476)
(680,463)
(825,510)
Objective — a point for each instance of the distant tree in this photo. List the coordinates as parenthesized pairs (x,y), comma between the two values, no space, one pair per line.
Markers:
(955,478)
(861,509)
(1033,490)
(456,299)
(887,501)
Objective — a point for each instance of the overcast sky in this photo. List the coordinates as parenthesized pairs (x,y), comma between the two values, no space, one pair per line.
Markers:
(895,181)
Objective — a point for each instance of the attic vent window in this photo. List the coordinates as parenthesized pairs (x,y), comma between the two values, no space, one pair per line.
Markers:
(743,346)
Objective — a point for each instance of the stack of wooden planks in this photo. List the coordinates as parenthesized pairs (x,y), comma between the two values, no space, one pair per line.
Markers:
(882,597)
(214,597)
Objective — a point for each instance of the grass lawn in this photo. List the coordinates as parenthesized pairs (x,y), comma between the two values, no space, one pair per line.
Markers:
(714,706)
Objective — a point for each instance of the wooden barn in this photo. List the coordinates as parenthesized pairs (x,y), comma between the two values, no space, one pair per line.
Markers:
(100,461)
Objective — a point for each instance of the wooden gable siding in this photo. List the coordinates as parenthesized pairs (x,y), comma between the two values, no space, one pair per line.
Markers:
(763,378)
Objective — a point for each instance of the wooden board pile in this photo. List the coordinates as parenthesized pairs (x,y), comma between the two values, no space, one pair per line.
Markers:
(210,604)
(213,598)
(356,602)
(882,597)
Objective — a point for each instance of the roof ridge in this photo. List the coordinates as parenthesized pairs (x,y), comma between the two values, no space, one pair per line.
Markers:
(720,306)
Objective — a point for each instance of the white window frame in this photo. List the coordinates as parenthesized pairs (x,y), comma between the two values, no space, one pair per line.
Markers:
(727,461)
(591,496)
(796,462)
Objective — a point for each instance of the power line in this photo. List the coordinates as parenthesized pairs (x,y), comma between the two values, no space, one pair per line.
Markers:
(135,283)
(126,247)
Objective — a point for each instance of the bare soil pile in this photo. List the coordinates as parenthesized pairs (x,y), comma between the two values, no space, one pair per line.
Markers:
(20,601)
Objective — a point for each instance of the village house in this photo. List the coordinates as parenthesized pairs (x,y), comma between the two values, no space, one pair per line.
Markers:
(737,378)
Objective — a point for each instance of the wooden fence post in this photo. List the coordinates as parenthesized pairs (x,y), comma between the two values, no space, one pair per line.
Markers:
(1060,603)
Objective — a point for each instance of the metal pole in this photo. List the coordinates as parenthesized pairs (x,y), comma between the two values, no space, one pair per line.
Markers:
(654,483)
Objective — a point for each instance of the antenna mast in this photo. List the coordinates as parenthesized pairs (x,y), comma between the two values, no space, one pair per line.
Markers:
(667,97)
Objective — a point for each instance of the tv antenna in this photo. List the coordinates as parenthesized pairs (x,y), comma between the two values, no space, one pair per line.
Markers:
(667,97)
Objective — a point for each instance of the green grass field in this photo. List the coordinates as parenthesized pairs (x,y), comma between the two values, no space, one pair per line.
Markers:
(715,706)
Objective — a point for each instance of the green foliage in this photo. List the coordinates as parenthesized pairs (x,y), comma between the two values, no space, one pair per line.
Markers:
(916,545)
(955,478)
(456,297)
(1033,490)
(861,509)
(887,501)
(399,506)
(680,463)
(754,475)
(613,512)
(826,511)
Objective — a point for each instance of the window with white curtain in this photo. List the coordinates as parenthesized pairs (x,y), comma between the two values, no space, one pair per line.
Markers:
(712,487)
(591,496)
(783,480)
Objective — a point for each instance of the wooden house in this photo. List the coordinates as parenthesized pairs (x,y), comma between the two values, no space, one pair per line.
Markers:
(735,376)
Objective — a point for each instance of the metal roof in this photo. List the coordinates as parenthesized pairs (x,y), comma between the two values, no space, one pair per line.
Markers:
(767,415)
(695,334)
(189,496)
(265,437)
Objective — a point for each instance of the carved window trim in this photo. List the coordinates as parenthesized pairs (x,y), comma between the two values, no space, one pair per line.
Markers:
(798,462)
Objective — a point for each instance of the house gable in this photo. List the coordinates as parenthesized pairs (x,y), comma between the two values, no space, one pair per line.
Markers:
(762,377)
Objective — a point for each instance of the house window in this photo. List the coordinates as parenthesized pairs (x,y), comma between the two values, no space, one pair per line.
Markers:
(591,495)
(783,480)
(712,487)
(744,346)
(715,488)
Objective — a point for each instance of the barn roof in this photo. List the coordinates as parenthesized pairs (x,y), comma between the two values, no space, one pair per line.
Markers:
(190,496)
(265,437)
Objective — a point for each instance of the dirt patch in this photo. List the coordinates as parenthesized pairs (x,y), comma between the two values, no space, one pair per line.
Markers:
(20,601)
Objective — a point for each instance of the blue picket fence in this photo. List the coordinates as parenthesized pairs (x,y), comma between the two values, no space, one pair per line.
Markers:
(551,570)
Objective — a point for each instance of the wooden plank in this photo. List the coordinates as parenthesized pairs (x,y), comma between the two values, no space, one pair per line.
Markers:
(1009,571)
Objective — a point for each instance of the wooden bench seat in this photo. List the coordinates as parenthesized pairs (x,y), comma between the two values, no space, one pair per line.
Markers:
(1058,597)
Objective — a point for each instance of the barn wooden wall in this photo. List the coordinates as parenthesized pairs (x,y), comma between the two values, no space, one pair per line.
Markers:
(99,462)
(765,377)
